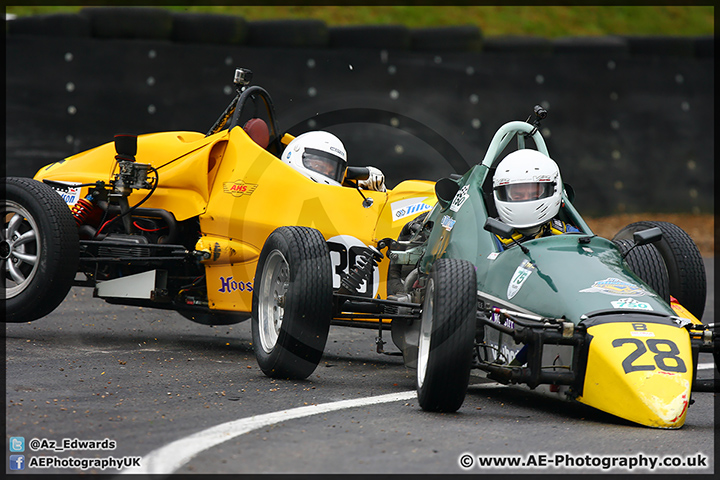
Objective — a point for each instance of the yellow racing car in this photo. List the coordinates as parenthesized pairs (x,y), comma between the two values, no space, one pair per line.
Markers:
(212,225)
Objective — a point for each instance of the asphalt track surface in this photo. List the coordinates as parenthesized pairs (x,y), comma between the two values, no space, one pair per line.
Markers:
(186,398)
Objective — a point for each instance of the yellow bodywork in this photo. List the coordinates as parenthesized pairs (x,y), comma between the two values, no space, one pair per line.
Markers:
(683,312)
(240,193)
(639,371)
(185,161)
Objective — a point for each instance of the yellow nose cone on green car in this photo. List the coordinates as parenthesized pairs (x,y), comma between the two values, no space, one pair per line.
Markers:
(639,371)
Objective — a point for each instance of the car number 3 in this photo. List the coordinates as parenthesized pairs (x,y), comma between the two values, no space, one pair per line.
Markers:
(344,251)
(666,355)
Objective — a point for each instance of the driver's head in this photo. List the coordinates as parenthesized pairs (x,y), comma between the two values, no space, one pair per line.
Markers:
(320,156)
(527,188)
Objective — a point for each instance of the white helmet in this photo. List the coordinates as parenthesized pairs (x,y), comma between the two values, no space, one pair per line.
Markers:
(527,189)
(320,156)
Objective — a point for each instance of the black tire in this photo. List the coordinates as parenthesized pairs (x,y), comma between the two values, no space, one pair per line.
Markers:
(661,45)
(447,335)
(705,46)
(528,45)
(462,38)
(647,263)
(38,271)
(129,22)
(293,287)
(54,24)
(595,45)
(391,37)
(686,271)
(307,33)
(208,28)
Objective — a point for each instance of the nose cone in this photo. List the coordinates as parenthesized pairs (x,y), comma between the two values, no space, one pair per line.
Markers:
(639,371)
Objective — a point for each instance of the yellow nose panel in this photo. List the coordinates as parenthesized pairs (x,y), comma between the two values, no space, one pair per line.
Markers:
(639,371)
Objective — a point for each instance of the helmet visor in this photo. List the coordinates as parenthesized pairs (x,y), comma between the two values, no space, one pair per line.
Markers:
(324,163)
(525,192)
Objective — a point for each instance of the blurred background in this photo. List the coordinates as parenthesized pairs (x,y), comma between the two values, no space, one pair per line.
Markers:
(417,91)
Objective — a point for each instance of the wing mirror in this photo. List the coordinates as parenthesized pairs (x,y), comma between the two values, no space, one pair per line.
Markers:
(357,173)
(644,237)
(650,235)
(499,228)
(445,190)
(503,230)
(126,147)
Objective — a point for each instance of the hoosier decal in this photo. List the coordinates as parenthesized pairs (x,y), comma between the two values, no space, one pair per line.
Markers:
(229,285)
(238,188)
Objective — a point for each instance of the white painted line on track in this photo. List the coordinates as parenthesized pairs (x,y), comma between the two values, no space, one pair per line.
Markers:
(705,366)
(167,459)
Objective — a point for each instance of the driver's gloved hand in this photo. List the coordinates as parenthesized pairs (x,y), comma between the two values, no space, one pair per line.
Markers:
(376,180)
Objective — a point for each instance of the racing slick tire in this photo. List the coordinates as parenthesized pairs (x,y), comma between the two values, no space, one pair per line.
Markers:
(447,335)
(645,261)
(686,271)
(292,302)
(39,249)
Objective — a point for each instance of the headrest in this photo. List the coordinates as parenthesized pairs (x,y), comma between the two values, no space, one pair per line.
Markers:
(257,129)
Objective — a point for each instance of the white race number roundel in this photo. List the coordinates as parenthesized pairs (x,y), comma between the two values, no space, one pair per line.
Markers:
(344,250)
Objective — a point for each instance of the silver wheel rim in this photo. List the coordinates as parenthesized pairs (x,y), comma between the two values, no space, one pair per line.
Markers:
(425,333)
(273,290)
(20,249)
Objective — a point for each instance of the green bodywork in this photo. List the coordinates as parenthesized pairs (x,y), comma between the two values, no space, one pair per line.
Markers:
(561,265)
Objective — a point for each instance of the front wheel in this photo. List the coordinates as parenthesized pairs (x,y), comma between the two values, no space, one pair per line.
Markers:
(447,334)
(292,302)
(39,249)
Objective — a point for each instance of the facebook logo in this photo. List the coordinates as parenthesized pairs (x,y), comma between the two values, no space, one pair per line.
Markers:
(17,444)
(17,462)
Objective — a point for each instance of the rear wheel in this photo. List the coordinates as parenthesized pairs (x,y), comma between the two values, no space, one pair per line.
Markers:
(645,261)
(292,302)
(39,249)
(447,335)
(684,264)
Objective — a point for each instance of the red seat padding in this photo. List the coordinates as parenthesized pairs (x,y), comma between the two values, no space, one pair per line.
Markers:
(258,130)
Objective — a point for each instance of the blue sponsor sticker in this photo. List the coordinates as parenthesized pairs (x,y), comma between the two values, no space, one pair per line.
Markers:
(448,222)
(408,207)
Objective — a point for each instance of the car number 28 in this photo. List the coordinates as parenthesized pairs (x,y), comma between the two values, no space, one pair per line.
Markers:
(666,356)
(344,250)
